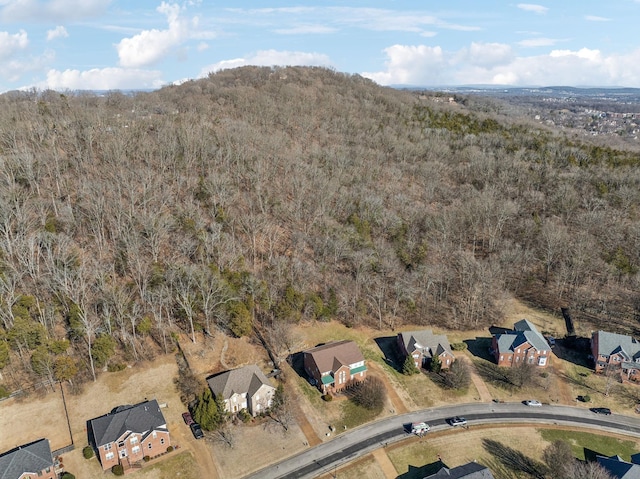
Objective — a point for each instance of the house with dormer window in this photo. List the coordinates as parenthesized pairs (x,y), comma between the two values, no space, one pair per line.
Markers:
(334,366)
(423,346)
(524,344)
(617,352)
(129,433)
(243,388)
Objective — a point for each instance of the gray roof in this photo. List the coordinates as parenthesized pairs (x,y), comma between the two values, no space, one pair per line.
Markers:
(333,355)
(471,470)
(618,468)
(33,457)
(611,343)
(141,418)
(523,331)
(247,379)
(425,342)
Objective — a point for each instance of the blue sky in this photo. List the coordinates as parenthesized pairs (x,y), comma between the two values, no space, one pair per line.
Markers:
(116,44)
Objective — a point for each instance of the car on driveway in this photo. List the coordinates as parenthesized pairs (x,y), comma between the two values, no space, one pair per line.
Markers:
(188,420)
(601,410)
(533,402)
(196,430)
(457,421)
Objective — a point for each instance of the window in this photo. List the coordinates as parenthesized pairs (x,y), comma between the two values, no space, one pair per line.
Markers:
(134,440)
(518,350)
(150,446)
(121,444)
(542,361)
(108,456)
(162,440)
(136,449)
(107,447)
(154,434)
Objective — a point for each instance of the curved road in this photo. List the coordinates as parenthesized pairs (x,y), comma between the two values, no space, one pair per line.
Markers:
(358,442)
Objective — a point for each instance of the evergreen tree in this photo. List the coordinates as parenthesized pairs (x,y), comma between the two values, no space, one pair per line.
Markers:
(436,364)
(207,411)
(409,367)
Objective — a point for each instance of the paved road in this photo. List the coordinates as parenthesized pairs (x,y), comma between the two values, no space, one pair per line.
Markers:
(358,442)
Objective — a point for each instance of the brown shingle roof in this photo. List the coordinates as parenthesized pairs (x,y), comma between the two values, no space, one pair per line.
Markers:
(331,355)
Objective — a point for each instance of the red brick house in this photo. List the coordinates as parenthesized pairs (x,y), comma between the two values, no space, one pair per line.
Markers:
(616,352)
(29,461)
(335,366)
(523,344)
(423,346)
(129,433)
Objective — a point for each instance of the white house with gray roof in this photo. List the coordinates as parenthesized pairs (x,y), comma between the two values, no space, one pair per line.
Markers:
(617,352)
(523,344)
(243,388)
(129,433)
(423,345)
(28,461)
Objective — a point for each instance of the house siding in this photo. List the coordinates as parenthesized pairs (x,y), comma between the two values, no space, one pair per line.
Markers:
(131,448)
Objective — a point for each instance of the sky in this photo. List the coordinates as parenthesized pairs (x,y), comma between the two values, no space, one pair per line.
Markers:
(143,44)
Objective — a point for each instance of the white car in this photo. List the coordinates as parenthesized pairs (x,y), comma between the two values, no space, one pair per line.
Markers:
(533,402)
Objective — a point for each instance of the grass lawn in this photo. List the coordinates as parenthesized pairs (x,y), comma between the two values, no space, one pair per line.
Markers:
(585,443)
(181,465)
(354,415)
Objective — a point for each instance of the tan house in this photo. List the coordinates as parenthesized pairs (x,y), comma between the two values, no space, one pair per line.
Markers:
(423,345)
(523,344)
(243,388)
(616,352)
(334,366)
(129,433)
(29,461)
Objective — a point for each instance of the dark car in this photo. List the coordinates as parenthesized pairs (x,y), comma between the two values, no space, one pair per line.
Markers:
(188,420)
(601,410)
(457,421)
(196,430)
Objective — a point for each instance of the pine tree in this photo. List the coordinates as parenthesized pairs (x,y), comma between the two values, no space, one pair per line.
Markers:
(409,367)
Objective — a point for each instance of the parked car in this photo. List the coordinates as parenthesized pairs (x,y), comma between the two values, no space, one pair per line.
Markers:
(457,421)
(601,410)
(196,430)
(188,420)
(533,402)
(419,428)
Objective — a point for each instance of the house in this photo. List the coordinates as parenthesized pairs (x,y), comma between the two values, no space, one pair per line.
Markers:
(423,346)
(129,433)
(471,470)
(617,352)
(523,344)
(28,462)
(243,388)
(620,469)
(335,365)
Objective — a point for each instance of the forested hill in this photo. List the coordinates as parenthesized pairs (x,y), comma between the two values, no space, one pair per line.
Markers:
(258,197)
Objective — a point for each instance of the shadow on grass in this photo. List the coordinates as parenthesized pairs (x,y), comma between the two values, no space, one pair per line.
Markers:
(479,347)
(495,375)
(590,455)
(515,460)
(389,348)
(422,471)
(574,350)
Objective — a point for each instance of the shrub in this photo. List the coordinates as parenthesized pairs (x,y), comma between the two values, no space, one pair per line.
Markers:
(118,470)
(4,392)
(244,415)
(114,368)
(146,458)
(586,398)
(87,452)
(170,448)
(67,475)
(327,397)
(370,393)
(409,366)
(459,346)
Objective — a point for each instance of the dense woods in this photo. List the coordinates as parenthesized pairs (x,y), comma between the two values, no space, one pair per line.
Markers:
(259,197)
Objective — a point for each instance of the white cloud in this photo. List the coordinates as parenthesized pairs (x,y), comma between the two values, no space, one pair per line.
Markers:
(411,65)
(304,29)
(10,44)
(101,79)
(532,7)
(58,32)
(50,10)
(271,58)
(151,46)
(496,64)
(202,46)
(538,42)
(595,18)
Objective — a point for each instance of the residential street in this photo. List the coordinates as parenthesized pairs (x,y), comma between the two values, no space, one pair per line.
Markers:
(358,442)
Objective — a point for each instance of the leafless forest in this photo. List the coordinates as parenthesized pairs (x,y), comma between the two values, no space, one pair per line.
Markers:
(259,197)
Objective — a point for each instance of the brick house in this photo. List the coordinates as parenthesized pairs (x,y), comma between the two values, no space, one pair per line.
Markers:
(423,345)
(243,388)
(29,461)
(523,344)
(335,365)
(129,433)
(616,352)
